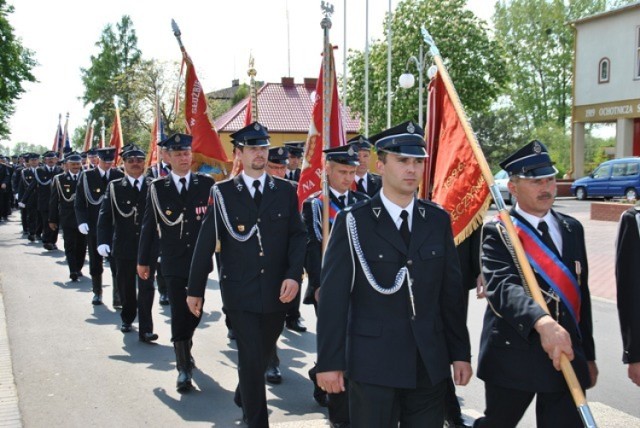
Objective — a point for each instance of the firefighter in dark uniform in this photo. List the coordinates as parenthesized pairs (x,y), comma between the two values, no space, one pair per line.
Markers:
(341,164)
(366,182)
(521,344)
(6,196)
(41,188)
(255,219)
(628,285)
(390,312)
(295,150)
(89,195)
(175,207)
(29,202)
(16,179)
(62,214)
(119,225)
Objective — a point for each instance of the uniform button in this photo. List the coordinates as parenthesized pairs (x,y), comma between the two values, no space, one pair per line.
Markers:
(224,276)
(188,245)
(409,262)
(380,256)
(279,215)
(187,233)
(186,221)
(433,253)
(184,209)
(261,270)
(520,327)
(506,342)
(258,220)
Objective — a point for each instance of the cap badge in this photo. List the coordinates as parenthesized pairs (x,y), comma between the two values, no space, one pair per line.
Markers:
(177,139)
(537,148)
(410,128)
(350,152)
(256,127)
(280,151)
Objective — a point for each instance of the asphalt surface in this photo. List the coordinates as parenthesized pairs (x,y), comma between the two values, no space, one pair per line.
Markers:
(72,366)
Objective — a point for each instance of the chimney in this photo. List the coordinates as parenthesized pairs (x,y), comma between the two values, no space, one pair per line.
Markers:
(310,82)
(287,82)
(235,82)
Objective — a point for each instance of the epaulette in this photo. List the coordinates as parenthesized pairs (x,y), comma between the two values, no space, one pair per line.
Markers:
(431,204)
(357,205)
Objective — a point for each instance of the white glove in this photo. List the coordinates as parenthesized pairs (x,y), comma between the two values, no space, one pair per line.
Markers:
(21,205)
(84,228)
(16,196)
(104,250)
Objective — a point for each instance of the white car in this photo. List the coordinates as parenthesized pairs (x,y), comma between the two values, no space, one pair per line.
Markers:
(502,178)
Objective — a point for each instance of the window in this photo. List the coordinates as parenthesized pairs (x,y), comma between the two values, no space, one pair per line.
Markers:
(602,172)
(604,69)
(633,169)
(619,170)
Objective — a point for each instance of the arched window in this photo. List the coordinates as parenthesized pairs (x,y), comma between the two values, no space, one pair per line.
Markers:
(604,70)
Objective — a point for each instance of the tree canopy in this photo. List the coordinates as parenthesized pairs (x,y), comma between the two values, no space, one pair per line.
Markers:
(16,63)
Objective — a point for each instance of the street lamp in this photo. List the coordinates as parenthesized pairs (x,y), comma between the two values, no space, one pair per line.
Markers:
(407,80)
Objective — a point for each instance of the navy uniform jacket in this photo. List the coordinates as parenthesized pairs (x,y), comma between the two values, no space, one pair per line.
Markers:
(118,224)
(511,355)
(91,183)
(41,186)
(313,258)
(176,242)
(5,177)
(374,184)
(62,201)
(15,178)
(296,174)
(628,283)
(374,336)
(250,281)
(27,176)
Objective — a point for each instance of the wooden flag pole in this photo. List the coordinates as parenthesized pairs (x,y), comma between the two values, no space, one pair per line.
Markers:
(327,93)
(529,277)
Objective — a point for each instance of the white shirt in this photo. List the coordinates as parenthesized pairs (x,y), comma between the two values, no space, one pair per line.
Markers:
(554,227)
(248,181)
(176,180)
(337,195)
(102,172)
(395,210)
(364,182)
(131,181)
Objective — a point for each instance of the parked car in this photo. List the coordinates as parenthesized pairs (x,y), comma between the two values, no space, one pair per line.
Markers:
(501,178)
(611,179)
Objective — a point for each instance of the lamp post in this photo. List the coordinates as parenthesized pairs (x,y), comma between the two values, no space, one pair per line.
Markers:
(407,80)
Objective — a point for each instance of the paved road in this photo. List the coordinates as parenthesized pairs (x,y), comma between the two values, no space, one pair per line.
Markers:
(74,368)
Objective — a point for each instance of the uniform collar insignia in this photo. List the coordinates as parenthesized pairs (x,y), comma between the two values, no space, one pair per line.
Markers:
(271,183)
(566,225)
(376,211)
(239,186)
(422,212)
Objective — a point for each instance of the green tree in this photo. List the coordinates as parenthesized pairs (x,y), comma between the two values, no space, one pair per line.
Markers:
(498,131)
(23,147)
(16,63)
(539,48)
(472,58)
(113,73)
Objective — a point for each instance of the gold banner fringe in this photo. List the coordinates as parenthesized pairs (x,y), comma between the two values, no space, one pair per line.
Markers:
(476,221)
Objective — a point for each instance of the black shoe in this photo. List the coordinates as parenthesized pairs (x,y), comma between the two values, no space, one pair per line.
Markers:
(48,247)
(125,328)
(117,304)
(295,325)
(148,337)
(456,423)
(164,299)
(54,247)
(273,375)
(31,238)
(80,275)
(74,276)
(231,335)
(97,299)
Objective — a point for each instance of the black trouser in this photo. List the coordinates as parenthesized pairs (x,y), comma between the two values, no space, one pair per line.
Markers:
(256,335)
(162,284)
(75,248)
(506,406)
(96,268)
(135,300)
(375,406)
(293,313)
(34,223)
(49,236)
(5,203)
(24,219)
(183,322)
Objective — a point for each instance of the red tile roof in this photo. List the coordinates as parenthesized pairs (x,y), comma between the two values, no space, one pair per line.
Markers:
(280,109)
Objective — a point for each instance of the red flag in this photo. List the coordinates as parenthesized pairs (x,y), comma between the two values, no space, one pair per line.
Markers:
(453,170)
(157,135)
(57,140)
(208,155)
(313,160)
(116,136)
(88,136)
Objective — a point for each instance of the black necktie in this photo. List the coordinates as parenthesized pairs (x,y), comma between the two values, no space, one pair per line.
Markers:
(404,227)
(74,177)
(546,236)
(257,195)
(105,178)
(183,190)
(341,199)
(135,186)
(360,186)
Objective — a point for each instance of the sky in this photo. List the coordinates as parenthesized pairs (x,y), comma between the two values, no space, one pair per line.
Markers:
(218,35)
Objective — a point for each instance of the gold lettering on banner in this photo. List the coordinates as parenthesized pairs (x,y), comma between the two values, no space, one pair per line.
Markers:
(462,207)
(451,178)
(195,95)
